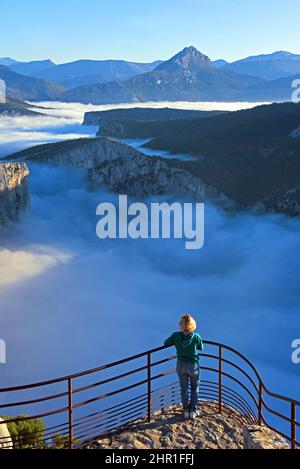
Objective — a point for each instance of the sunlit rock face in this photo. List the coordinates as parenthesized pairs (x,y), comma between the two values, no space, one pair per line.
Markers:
(5,438)
(117,166)
(126,170)
(14,191)
(256,437)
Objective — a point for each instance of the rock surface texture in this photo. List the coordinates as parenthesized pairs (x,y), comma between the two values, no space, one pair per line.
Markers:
(123,169)
(117,166)
(14,191)
(170,430)
(262,438)
(5,438)
(210,430)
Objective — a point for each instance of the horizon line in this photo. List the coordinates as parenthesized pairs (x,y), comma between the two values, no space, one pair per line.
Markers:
(71,60)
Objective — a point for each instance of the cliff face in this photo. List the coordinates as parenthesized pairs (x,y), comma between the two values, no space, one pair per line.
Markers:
(284,201)
(117,166)
(144,114)
(256,437)
(248,155)
(126,170)
(112,129)
(14,191)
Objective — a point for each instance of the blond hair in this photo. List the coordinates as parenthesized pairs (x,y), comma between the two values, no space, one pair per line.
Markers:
(187,323)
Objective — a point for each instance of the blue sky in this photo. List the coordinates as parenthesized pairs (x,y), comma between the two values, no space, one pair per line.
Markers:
(145,30)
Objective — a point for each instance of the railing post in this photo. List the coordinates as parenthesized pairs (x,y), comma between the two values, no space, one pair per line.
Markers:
(70,407)
(149,386)
(293,425)
(220,377)
(173,402)
(260,399)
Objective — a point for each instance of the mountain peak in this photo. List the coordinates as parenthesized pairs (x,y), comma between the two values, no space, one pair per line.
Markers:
(189,50)
(187,59)
(191,54)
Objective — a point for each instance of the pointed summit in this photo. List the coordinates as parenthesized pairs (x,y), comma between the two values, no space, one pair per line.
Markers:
(187,59)
(191,53)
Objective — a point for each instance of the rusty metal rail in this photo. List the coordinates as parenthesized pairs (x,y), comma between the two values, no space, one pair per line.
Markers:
(79,409)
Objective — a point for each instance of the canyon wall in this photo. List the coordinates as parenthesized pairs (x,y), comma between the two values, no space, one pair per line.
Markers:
(14,191)
(117,166)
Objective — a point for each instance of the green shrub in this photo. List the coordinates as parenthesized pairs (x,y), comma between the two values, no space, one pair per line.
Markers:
(30,433)
(26,433)
(59,442)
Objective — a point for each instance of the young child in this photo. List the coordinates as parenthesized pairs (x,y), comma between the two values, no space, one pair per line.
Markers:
(187,344)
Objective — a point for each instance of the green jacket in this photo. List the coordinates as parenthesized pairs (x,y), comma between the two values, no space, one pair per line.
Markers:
(187,346)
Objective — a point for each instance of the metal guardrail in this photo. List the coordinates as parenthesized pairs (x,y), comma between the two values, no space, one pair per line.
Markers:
(77,414)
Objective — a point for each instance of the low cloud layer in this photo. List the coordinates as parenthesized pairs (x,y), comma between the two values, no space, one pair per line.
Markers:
(70,301)
(17,266)
(63,121)
(18,133)
(81,291)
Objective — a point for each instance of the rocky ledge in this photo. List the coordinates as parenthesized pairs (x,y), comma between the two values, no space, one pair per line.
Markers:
(14,191)
(210,430)
(117,166)
(256,437)
(125,170)
(169,430)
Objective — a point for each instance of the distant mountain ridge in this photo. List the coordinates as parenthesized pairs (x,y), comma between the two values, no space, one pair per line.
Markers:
(89,72)
(220,63)
(188,76)
(31,68)
(267,66)
(276,90)
(15,107)
(278,55)
(28,88)
(7,61)
(80,72)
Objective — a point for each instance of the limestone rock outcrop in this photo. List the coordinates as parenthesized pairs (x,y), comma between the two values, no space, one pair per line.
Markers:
(256,437)
(117,166)
(14,191)
(168,429)
(5,438)
(123,169)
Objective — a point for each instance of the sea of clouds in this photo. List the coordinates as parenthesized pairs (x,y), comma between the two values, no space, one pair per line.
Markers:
(61,121)
(70,301)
